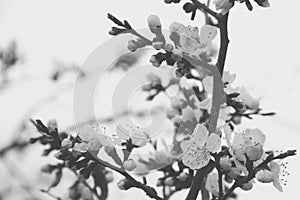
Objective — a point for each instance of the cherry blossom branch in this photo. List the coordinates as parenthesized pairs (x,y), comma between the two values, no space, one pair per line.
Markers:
(222,24)
(241,180)
(151,192)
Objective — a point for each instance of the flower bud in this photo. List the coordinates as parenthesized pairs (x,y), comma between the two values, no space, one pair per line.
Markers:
(80,147)
(224,5)
(109,176)
(234,172)
(168,1)
(247,186)
(123,184)
(154,24)
(183,176)
(264,176)
(188,7)
(52,124)
(169,47)
(154,61)
(66,144)
(129,165)
(237,119)
(169,181)
(254,152)
(157,45)
(132,45)
(225,163)
(265,4)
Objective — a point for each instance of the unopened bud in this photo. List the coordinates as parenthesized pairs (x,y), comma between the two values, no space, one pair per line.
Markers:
(247,186)
(66,144)
(183,176)
(129,165)
(225,163)
(109,177)
(154,24)
(254,152)
(52,124)
(132,45)
(264,176)
(169,47)
(157,45)
(123,184)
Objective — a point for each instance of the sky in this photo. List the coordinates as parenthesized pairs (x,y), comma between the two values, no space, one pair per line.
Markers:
(263,52)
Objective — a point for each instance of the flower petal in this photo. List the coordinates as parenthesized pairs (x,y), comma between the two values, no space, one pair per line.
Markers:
(213,143)
(277,185)
(200,134)
(201,160)
(275,168)
(256,136)
(207,34)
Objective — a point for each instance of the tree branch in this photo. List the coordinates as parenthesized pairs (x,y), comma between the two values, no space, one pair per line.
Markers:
(198,180)
(222,22)
(204,8)
(134,183)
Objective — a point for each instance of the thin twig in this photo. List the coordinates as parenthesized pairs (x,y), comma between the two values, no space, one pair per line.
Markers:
(134,183)
(204,8)
(241,180)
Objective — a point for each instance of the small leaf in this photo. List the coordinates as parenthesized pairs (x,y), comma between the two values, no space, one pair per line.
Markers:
(115,20)
(127,25)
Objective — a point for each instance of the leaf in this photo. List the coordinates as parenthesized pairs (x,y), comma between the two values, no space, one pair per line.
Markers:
(207,34)
(127,25)
(114,19)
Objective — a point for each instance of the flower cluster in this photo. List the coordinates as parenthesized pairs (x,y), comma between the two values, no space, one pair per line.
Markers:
(208,151)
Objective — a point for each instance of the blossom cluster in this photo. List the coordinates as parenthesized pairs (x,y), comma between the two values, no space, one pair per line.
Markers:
(225,156)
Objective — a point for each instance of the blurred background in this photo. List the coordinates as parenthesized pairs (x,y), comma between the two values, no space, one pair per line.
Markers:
(52,40)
